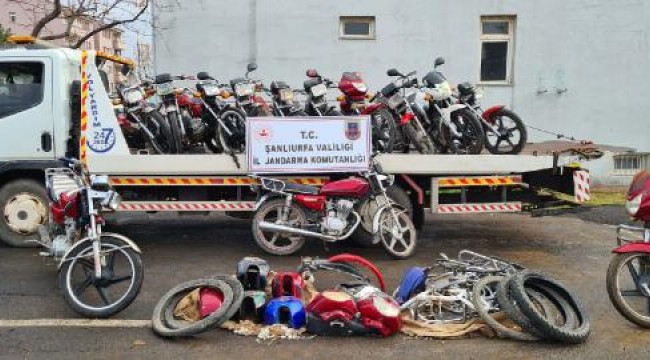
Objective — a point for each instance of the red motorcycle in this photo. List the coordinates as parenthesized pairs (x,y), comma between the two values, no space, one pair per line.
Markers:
(628,275)
(287,213)
(354,101)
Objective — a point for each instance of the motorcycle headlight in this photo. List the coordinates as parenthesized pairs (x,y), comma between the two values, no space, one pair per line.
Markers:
(133,96)
(361,87)
(632,206)
(113,201)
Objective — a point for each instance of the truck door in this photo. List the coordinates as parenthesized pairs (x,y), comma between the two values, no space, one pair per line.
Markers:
(26,123)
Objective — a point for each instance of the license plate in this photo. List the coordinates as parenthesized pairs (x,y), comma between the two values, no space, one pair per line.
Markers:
(395,101)
(319,90)
(165,89)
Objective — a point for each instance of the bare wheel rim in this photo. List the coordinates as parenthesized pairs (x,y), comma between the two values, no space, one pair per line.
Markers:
(508,135)
(631,292)
(279,241)
(399,239)
(94,295)
(24,212)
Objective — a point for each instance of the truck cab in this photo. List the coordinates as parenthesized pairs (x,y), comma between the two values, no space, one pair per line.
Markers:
(39,108)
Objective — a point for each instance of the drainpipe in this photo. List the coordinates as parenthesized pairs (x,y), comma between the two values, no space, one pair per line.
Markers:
(252,31)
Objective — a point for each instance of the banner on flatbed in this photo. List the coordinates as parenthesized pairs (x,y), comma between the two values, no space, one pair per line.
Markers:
(307,145)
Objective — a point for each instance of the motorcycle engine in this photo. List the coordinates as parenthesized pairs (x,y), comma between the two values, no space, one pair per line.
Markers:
(195,127)
(337,214)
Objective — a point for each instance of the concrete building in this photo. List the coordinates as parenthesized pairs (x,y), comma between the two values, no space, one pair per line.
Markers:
(575,67)
(20,16)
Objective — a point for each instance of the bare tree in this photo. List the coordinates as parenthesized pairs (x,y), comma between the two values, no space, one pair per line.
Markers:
(103,14)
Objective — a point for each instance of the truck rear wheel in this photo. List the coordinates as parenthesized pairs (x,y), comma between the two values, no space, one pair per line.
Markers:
(23,208)
(363,235)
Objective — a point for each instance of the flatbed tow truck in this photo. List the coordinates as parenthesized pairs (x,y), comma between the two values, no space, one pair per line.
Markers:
(53,96)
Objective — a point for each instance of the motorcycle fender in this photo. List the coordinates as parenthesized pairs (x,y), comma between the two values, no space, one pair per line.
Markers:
(371,108)
(264,198)
(130,243)
(385,207)
(446,112)
(637,246)
(487,114)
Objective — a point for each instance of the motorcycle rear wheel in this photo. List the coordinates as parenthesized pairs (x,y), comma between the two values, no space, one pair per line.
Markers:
(128,282)
(617,294)
(278,243)
(516,129)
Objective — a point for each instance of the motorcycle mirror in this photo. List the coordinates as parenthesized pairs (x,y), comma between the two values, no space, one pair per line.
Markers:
(439,61)
(251,67)
(393,72)
(312,73)
(204,76)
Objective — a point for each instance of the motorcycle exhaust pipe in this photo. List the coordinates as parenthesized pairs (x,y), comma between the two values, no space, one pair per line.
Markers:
(267,226)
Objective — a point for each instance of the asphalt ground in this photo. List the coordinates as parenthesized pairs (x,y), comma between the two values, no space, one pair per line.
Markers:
(575,249)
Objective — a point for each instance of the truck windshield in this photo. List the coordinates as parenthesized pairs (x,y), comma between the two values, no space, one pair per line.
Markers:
(21,86)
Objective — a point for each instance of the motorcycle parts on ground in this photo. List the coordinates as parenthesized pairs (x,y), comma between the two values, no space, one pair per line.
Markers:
(287,284)
(342,263)
(252,272)
(252,307)
(413,282)
(286,310)
(165,323)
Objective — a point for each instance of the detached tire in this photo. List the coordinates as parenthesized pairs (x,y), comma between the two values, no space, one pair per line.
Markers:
(23,207)
(569,335)
(363,236)
(160,323)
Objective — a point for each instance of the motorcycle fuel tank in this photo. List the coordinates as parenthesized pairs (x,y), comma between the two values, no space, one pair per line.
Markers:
(353,187)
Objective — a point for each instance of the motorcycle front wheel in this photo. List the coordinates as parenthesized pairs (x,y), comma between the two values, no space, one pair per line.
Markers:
(397,233)
(419,139)
(277,242)
(384,131)
(177,134)
(510,136)
(468,136)
(628,278)
(114,291)
(164,139)
(235,120)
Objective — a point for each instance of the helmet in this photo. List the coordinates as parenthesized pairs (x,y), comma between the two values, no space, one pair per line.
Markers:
(287,310)
(252,273)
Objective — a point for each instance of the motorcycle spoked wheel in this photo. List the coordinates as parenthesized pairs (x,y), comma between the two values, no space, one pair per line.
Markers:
(470,130)
(236,121)
(625,294)
(177,135)
(122,275)
(278,243)
(510,130)
(164,141)
(419,139)
(384,131)
(397,233)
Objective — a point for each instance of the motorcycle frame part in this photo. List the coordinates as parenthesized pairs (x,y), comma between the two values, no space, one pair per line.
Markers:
(365,263)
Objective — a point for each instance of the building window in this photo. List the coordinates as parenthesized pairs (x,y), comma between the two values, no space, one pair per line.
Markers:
(12,17)
(497,48)
(630,164)
(357,27)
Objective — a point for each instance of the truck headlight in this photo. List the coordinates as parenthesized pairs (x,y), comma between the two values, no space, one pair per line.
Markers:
(632,206)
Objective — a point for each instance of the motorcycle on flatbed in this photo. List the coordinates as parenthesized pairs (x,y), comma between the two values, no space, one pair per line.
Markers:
(286,214)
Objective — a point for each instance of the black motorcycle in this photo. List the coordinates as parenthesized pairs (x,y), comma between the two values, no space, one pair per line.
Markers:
(453,127)
(226,123)
(316,89)
(246,98)
(284,103)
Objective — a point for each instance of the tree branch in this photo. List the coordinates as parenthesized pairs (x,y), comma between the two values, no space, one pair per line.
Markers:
(47,18)
(111,25)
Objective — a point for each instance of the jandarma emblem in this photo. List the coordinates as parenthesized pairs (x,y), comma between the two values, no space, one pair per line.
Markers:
(352,131)
(263,134)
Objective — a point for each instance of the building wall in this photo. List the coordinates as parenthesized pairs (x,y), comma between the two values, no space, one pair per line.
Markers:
(598,50)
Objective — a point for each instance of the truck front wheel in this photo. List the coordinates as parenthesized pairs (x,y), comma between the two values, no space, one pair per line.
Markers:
(23,207)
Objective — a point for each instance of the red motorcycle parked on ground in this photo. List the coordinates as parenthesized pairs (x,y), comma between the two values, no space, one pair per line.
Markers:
(286,214)
(628,275)
(354,101)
